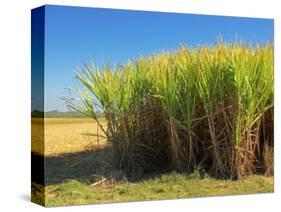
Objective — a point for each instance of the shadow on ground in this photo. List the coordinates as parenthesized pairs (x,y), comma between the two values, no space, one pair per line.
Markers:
(84,166)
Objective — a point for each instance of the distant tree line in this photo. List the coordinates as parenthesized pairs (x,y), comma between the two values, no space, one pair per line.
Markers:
(60,114)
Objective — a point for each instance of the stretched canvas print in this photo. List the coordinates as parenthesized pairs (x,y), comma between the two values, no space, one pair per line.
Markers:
(137,105)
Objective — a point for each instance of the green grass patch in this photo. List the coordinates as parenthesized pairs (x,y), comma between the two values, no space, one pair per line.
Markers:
(167,186)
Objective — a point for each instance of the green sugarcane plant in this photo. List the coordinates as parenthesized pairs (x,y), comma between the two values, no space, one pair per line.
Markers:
(190,108)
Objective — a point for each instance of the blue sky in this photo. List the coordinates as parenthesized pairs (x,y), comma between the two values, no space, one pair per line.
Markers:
(77,34)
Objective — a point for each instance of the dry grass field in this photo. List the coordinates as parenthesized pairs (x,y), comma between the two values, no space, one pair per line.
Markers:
(65,135)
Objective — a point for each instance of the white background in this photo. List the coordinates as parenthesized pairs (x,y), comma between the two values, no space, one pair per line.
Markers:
(15,103)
